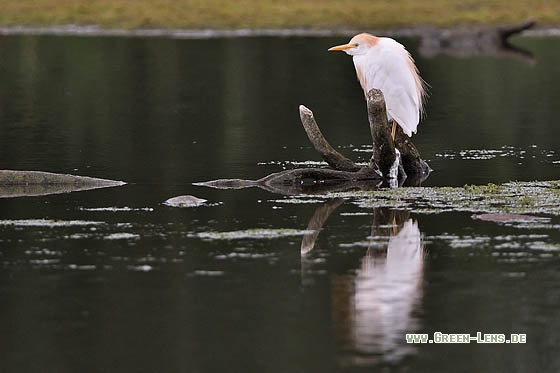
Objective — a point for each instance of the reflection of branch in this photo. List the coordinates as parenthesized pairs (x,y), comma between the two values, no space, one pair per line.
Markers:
(316,223)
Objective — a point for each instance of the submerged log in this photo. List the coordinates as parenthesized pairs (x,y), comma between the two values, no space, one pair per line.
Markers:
(344,174)
(37,183)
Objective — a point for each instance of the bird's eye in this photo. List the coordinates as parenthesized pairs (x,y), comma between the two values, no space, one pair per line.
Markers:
(356,44)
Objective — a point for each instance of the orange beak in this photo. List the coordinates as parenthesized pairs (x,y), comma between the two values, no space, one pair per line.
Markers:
(342,47)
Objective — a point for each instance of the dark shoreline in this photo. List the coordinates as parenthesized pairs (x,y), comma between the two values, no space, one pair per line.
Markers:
(95,31)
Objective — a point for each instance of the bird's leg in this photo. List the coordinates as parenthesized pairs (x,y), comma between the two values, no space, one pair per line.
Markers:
(394,130)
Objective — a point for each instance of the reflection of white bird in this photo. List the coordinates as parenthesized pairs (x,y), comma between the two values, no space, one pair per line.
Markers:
(387,289)
(385,64)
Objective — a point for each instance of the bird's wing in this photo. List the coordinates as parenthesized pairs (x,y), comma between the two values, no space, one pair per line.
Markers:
(391,71)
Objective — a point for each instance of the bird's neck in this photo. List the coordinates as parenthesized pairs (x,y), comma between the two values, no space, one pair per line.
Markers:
(360,71)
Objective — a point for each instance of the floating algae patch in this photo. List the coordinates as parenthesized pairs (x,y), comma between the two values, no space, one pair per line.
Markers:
(257,233)
(301,164)
(542,197)
(296,201)
(482,154)
(121,236)
(292,164)
(48,223)
(506,151)
(355,214)
(505,249)
(116,209)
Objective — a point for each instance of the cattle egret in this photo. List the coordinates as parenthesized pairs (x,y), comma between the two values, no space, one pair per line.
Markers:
(385,64)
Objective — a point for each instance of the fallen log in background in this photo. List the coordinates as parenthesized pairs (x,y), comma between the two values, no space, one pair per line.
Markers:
(476,41)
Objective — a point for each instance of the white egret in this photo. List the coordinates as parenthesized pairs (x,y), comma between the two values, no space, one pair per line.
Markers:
(385,64)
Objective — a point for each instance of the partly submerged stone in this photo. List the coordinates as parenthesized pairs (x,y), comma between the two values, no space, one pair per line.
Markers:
(185,201)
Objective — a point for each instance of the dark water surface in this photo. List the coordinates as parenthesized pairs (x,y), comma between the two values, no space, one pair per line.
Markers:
(112,279)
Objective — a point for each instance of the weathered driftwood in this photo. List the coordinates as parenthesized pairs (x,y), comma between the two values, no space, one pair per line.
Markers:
(321,145)
(472,41)
(414,166)
(384,154)
(38,183)
(344,174)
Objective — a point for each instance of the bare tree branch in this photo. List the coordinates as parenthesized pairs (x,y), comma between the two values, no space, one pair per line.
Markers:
(321,145)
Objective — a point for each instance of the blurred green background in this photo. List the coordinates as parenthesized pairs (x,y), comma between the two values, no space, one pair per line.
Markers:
(275,14)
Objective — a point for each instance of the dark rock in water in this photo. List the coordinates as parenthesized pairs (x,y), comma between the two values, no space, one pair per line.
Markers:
(39,183)
(185,201)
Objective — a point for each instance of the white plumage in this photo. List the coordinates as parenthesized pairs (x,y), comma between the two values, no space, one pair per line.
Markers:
(385,64)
